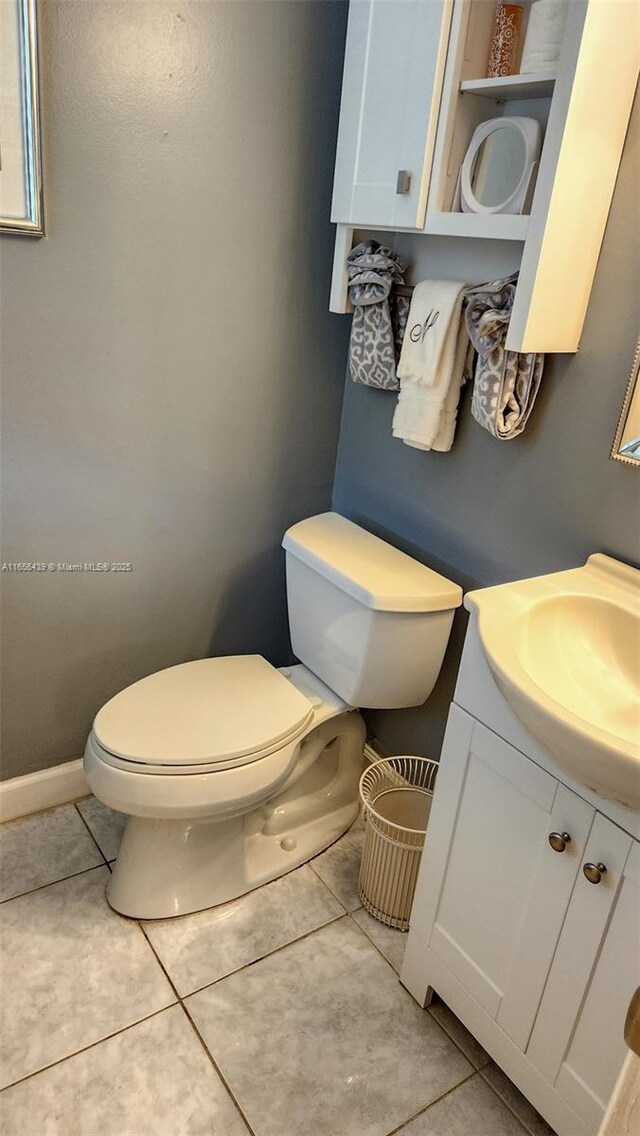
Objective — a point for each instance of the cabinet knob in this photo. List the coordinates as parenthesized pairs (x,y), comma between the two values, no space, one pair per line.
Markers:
(594,872)
(403,183)
(559,840)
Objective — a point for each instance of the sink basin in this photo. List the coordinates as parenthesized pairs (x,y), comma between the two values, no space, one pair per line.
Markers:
(565,651)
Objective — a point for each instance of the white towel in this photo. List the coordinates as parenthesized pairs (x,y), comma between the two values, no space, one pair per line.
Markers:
(432,369)
(429,339)
(545,32)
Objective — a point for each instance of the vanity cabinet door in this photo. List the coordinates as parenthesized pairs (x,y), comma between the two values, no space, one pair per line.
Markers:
(394,66)
(577,1041)
(495,893)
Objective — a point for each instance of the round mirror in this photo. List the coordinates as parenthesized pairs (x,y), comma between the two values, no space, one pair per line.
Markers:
(498,166)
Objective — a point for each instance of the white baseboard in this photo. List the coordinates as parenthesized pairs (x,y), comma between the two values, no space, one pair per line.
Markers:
(36,791)
(48,787)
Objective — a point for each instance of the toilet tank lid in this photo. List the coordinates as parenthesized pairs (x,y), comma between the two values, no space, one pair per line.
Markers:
(375,573)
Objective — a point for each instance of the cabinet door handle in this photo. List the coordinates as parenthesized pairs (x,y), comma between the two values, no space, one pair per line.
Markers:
(594,872)
(403,182)
(559,840)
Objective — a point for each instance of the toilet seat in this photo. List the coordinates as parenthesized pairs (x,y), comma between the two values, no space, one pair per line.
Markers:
(201,717)
(224,789)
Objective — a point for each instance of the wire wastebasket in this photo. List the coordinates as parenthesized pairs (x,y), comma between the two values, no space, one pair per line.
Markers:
(396,793)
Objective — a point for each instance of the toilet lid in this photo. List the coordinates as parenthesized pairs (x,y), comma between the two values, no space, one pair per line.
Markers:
(214,710)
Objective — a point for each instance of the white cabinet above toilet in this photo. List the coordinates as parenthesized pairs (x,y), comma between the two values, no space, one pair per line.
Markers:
(393,72)
(414,92)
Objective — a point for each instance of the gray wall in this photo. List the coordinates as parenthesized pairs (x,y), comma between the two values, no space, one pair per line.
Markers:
(172,378)
(489,511)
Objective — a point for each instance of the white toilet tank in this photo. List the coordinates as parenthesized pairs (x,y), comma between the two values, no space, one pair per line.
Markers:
(368,620)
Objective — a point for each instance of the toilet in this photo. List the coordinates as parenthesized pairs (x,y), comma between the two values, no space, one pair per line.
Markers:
(233,772)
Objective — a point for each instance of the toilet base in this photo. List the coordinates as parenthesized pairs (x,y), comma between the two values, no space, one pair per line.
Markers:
(172,867)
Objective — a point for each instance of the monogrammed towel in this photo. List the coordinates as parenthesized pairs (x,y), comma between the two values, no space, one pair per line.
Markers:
(432,366)
(379,315)
(432,327)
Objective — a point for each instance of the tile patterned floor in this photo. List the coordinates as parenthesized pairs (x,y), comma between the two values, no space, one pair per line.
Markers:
(278,1014)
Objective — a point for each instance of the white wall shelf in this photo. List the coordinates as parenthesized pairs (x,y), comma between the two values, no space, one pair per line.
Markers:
(490,226)
(388,131)
(532,86)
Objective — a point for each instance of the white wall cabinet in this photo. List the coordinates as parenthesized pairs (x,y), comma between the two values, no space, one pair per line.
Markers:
(539,962)
(414,89)
(394,65)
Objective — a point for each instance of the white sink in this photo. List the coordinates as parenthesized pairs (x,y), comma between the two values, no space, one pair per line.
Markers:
(565,652)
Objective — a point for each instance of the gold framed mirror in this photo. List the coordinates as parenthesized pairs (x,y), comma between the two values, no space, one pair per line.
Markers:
(626,444)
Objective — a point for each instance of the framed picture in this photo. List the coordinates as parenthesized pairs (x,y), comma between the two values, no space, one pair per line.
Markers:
(626,444)
(20,160)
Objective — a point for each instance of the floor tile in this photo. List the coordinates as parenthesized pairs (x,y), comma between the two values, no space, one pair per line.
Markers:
(389,941)
(42,848)
(320,1039)
(339,866)
(459,1033)
(470,1110)
(535,1124)
(78,973)
(152,1080)
(106,825)
(198,949)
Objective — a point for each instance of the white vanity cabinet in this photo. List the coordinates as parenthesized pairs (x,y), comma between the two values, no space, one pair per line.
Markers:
(393,70)
(538,960)
(589,985)
(497,892)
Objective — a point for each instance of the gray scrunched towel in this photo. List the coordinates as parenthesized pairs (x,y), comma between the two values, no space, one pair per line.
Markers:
(379,316)
(506,382)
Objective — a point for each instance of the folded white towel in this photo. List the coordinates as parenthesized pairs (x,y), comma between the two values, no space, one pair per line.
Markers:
(430,380)
(429,339)
(545,32)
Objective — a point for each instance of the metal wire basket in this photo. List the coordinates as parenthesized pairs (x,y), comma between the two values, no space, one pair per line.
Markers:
(396,793)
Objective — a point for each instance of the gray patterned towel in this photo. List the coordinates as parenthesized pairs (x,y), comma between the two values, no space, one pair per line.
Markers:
(506,382)
(379,315)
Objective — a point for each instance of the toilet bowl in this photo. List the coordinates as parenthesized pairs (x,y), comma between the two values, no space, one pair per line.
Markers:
(208,825)
(232,772)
